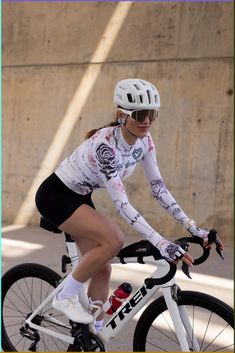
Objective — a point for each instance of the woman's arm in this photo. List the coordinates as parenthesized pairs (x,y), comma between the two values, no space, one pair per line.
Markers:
(163,195)
(107,170)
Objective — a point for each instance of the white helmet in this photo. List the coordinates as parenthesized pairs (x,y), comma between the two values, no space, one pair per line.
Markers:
(135,93)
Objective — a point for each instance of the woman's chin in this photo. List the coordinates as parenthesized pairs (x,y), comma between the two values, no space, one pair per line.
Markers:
(143,132)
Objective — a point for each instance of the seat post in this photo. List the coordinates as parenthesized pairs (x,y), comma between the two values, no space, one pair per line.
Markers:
(72,250)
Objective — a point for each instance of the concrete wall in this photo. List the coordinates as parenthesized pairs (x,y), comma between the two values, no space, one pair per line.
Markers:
(185,49)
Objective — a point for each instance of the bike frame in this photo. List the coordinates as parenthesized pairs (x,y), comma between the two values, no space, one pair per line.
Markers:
(128,310)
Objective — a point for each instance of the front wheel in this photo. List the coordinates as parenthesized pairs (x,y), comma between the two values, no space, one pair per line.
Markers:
(211,323)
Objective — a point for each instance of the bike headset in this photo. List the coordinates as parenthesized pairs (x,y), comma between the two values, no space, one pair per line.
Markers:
(135,94)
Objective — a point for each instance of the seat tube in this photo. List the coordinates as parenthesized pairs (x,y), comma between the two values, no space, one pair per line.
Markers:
(176,319)
(72,250)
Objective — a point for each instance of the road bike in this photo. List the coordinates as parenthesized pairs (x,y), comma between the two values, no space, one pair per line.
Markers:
(176,321)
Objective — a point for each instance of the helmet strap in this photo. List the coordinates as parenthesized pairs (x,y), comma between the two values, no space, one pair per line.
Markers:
(131,133)
(121,121)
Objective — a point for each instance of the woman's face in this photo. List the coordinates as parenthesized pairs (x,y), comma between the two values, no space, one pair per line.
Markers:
(132,129)
(139,129)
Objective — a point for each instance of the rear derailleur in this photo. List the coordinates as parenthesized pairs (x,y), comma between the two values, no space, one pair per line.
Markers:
(32,335)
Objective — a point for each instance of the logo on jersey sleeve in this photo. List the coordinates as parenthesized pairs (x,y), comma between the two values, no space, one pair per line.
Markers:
(106,160)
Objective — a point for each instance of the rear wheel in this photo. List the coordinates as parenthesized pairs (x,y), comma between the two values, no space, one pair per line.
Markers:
(211,322)
(24,287)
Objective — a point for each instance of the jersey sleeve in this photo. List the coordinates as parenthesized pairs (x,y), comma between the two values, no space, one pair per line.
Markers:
(158,187)
(107,170)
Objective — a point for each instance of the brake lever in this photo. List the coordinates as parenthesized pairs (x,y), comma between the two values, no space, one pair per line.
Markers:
(185,268)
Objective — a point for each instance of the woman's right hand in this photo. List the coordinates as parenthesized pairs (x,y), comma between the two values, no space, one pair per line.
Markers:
(173,252)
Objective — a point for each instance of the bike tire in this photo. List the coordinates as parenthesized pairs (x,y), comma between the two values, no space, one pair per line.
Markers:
(24,287)
(155,332)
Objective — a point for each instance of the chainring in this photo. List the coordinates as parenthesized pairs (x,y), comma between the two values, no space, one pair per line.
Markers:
(96,344)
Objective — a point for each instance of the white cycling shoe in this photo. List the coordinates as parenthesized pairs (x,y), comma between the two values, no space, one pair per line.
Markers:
(72,308)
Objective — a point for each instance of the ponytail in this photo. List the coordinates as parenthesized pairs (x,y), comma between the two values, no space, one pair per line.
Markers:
(92,132)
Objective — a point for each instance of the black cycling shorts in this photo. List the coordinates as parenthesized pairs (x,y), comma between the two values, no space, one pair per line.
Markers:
(56,202)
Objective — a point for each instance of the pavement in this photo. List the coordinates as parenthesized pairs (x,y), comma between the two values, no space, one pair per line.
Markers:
(33,244)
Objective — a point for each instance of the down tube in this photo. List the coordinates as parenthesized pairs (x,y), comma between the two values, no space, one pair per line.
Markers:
(126,312)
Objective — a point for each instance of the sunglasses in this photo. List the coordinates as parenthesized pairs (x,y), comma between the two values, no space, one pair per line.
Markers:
(140,115)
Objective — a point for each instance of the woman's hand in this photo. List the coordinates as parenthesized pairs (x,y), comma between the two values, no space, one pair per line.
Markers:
(173,252)
(202,233)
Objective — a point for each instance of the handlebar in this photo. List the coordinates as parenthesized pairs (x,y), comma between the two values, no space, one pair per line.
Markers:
(144,248)
(150,282)
(184,243)
(212,238)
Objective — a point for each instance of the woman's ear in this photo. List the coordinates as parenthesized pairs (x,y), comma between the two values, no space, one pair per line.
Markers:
(121,117)
(119,114)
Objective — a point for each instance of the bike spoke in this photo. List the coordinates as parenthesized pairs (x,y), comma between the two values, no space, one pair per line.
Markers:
(19,341)
(164,334)
(15,324)
(191,336)
(222,349)
(15,334)
(206,331)
(24,295)
(53,339)
(154,345)
(170,328)
(216,337)
(11,316)
(44,343)
(17,295)
(15,308)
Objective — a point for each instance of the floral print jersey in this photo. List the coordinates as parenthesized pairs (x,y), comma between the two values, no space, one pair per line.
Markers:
(104,160)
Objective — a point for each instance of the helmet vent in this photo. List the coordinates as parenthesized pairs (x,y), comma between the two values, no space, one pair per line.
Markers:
(130,98)
(148,93)
(137,87)
(141,98)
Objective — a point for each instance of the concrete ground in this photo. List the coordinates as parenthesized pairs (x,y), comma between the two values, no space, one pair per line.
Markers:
(32,244)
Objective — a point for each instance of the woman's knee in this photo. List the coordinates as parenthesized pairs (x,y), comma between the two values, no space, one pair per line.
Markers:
(116,241)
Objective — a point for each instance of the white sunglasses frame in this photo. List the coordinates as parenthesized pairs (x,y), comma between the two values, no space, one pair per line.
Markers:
(129,113)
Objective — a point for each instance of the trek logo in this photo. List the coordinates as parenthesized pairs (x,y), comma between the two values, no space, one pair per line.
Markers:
(137,297)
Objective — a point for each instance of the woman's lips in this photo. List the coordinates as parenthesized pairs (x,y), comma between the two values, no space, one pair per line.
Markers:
(143,127)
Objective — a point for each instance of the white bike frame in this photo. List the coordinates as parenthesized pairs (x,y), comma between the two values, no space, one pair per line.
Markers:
(128,310)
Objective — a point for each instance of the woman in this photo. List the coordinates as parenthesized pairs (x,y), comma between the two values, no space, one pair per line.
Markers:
(103,160)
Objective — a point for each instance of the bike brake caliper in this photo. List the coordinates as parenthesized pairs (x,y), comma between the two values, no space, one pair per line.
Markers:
(175,292)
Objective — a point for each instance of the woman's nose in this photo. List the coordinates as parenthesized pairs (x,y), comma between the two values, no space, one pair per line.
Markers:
(147,120)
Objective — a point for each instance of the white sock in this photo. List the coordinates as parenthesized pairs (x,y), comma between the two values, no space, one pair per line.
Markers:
(98,325)
(71,288)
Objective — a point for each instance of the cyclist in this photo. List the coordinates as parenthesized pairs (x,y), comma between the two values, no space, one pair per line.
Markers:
(108,156)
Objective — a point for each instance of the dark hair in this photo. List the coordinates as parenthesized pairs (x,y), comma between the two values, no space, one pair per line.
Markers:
(93,131)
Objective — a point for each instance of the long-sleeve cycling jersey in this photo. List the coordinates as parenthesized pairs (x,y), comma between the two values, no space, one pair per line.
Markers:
(104,160)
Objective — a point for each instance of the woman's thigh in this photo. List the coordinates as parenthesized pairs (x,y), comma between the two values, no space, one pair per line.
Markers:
(87,223)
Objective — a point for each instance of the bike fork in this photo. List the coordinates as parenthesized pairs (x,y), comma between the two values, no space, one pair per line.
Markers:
(176,319)
(188,328)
